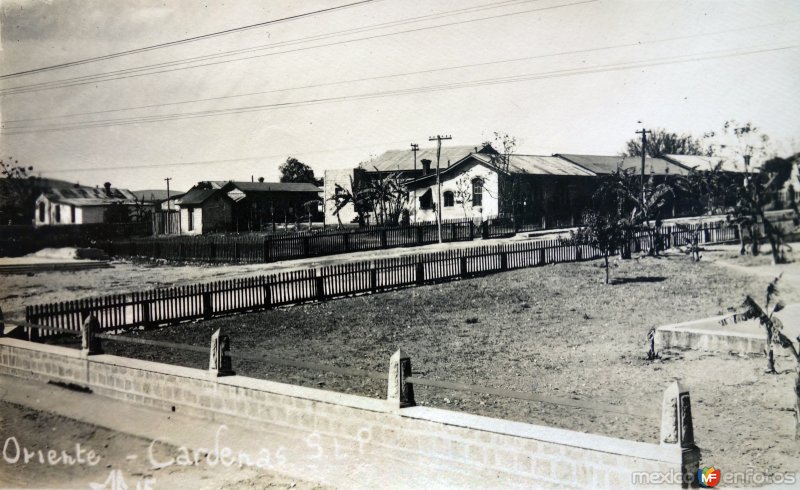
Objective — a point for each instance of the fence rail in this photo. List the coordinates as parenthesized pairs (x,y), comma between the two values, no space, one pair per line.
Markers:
(203,301)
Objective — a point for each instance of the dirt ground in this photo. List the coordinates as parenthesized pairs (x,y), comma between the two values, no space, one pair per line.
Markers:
(19,290)
(557,331)
(113,451)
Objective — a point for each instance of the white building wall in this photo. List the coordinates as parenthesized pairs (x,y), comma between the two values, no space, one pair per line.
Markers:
(461,210)
(197,215)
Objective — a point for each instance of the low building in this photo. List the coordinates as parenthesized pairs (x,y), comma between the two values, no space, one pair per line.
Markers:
(205,210)
(540,188)
(257,205)
(81,205)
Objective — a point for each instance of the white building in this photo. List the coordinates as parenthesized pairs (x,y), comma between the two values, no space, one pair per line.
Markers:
(79,204)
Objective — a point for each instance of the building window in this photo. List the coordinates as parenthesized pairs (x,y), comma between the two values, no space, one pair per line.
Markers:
(58,213)
(190,224)
(477,192)
(72,213)
(449,200)
(41,212)
(426,200)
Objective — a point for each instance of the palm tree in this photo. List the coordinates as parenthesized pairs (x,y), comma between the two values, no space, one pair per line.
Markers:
(358,195)
(774,326)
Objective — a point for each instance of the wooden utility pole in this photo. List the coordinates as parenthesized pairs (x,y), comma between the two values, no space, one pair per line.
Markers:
(168,179)
(414,149)
(644,133)
(438,138)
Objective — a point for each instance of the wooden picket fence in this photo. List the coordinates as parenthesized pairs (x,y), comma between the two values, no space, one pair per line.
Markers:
(271,248)
(202,301)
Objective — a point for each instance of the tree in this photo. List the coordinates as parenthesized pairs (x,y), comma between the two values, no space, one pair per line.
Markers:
(508,187)
(388,195)
(661,142)
(358,195)
(293,170)
(750,309)
(117,212)
(463,193)
(603,231)
(622,193)
(18,192)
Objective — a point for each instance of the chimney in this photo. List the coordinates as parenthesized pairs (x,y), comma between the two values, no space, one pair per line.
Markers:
(426,166)
(107,185)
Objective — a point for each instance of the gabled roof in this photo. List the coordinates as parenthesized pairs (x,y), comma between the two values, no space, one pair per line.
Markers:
(544,165)
(79,195)
(403,160)
(700,162)
(606,164)
(156,195)
(196,196)
(248,187)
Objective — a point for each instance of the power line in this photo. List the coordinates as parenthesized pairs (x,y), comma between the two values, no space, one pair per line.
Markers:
(99,78)
(229,160)
(184,41)
(414,90)
(396,75)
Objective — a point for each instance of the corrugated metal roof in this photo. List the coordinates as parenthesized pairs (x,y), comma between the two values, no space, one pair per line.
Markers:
(196,196)
(545,165)
(707,163)
(605,164)
(275,186)
(89,196)
(154,195)
(399,160)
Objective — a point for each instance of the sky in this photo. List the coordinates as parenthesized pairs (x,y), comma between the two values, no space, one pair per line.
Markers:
(336,88)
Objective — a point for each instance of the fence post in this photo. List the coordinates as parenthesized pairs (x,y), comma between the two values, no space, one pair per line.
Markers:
(146,317)
(471,230)
(181,251)
(267,296)
(541,256)
(236,251)
(485,230)
(212,247)
(578,252)
(267,245)
(320,283)
(306,246)
(33,334)
(420,273)
(207,306)
(677,431)
(420,234)
(503,260)
(373,278)
(453,232)
(219,363)
(90,344)
(463,263)
(383,239)
(346,241)
(706,234)
(399,391)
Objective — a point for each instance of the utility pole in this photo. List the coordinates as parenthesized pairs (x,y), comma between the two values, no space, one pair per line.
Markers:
(438,138)
(414,149)
(168,179)
(644,134)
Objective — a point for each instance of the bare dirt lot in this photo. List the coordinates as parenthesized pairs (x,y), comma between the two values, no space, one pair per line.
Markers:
(557,331)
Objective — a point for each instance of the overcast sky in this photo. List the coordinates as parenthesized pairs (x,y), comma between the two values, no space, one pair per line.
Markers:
(567,76)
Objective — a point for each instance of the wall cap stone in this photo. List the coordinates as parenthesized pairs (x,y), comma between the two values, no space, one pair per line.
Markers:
(563,437)
(46,348)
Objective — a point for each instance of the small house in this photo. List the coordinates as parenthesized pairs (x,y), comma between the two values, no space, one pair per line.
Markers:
(81,205)
(204,210)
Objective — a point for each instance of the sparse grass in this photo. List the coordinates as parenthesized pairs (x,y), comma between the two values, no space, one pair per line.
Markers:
(555,330)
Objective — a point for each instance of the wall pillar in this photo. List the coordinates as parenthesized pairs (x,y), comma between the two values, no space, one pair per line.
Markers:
(399,391)
(677,431)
